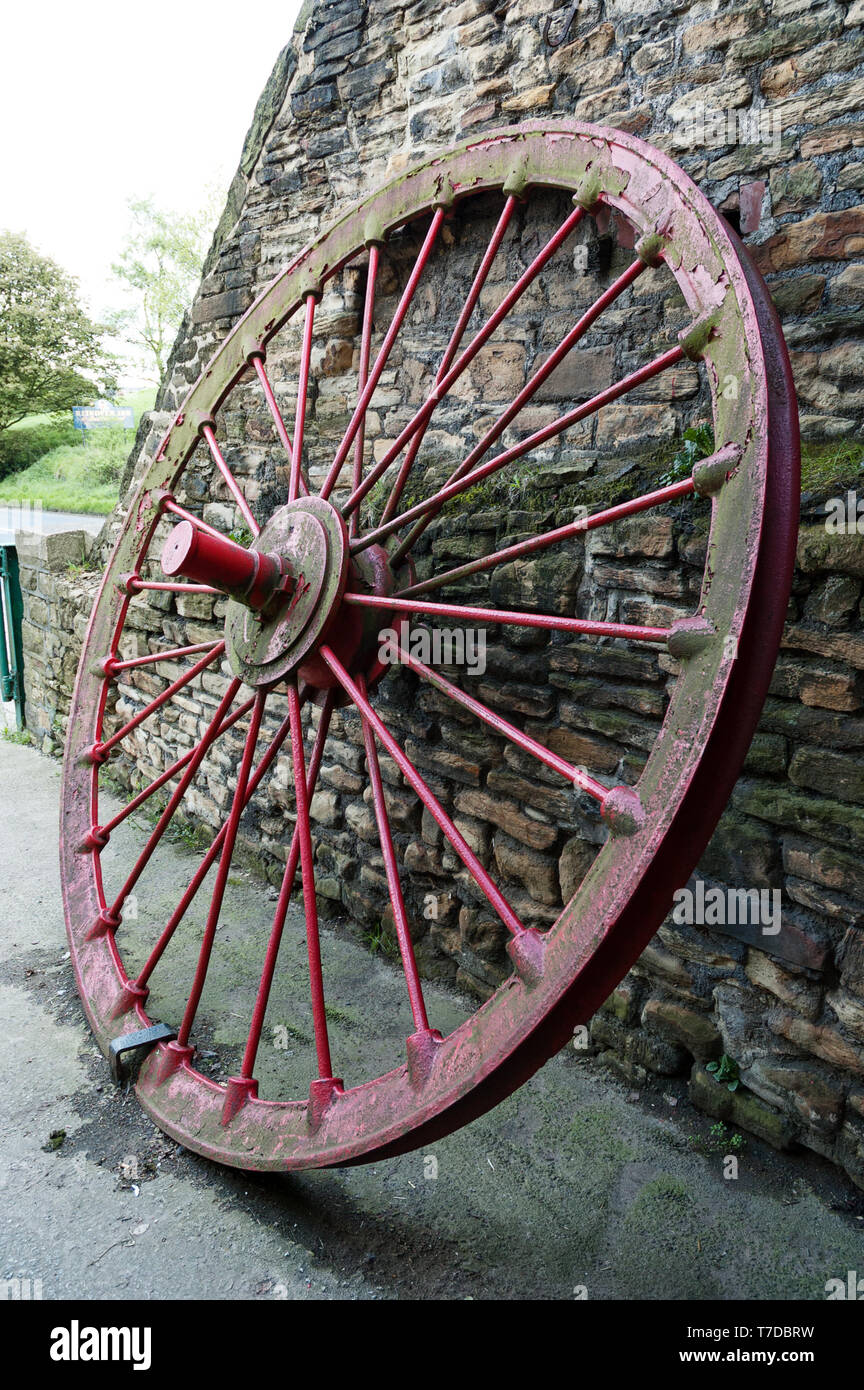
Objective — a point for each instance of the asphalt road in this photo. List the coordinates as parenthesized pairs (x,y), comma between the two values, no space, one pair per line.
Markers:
(46,523)
(575,1187)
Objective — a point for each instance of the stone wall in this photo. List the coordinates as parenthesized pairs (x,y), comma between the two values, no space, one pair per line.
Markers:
(359,93)
(56,604)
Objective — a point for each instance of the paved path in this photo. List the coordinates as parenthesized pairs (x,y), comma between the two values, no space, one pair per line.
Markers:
(574,1183)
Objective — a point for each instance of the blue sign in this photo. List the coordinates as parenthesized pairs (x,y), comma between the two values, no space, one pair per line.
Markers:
(102,415)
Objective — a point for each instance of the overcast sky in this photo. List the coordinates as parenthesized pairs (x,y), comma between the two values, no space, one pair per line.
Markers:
(100,102)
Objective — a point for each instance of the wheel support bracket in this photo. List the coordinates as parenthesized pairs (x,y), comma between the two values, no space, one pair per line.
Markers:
(141,1041)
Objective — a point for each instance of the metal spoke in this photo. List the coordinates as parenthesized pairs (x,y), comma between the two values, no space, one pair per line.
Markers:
(284,437)
(169,505)
(384,352)
(302,397)
(177,795)
(400,916)
(136,585)
(363,368)
(503,726)
(430,801)
(547,538)
(262,997)
(465,359)
(226,856)
(528,391)
(550,431)
(452,348)
(230,481)
(313,943)
(581,626)
(105,747)
(171,655)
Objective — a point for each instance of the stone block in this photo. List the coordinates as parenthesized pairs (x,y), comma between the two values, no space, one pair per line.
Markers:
(741,1109)
(684,1027)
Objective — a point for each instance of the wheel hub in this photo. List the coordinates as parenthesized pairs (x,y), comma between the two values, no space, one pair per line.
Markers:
(284,592)
(309,538)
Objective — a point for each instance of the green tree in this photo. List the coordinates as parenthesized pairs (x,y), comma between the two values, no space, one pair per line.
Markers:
(159,268)
(51,355)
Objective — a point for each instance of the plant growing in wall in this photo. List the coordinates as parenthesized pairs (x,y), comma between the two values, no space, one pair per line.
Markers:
(726,1072)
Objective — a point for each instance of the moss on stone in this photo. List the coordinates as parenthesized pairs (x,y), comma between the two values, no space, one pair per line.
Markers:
(830,820)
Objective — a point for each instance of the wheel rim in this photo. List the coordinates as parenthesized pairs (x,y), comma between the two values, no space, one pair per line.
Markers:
(323,652)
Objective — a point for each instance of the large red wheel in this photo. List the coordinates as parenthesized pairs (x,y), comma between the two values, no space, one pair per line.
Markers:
(323,575)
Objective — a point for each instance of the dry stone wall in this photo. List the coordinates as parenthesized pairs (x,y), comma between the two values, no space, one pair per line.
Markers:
(359,93)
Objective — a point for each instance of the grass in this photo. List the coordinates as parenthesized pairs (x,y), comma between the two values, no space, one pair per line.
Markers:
(15,736)
(189,835)
(73,476)
(193,836)
(24,443)
(719,1139)
(335,1015)
(377,940)
(828,467)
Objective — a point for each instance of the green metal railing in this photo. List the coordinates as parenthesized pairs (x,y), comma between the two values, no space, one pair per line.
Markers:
(11,650)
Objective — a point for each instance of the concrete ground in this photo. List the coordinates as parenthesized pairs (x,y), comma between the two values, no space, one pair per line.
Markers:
(573,1187)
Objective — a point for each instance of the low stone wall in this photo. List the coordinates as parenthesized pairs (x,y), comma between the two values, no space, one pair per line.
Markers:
(57,600)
